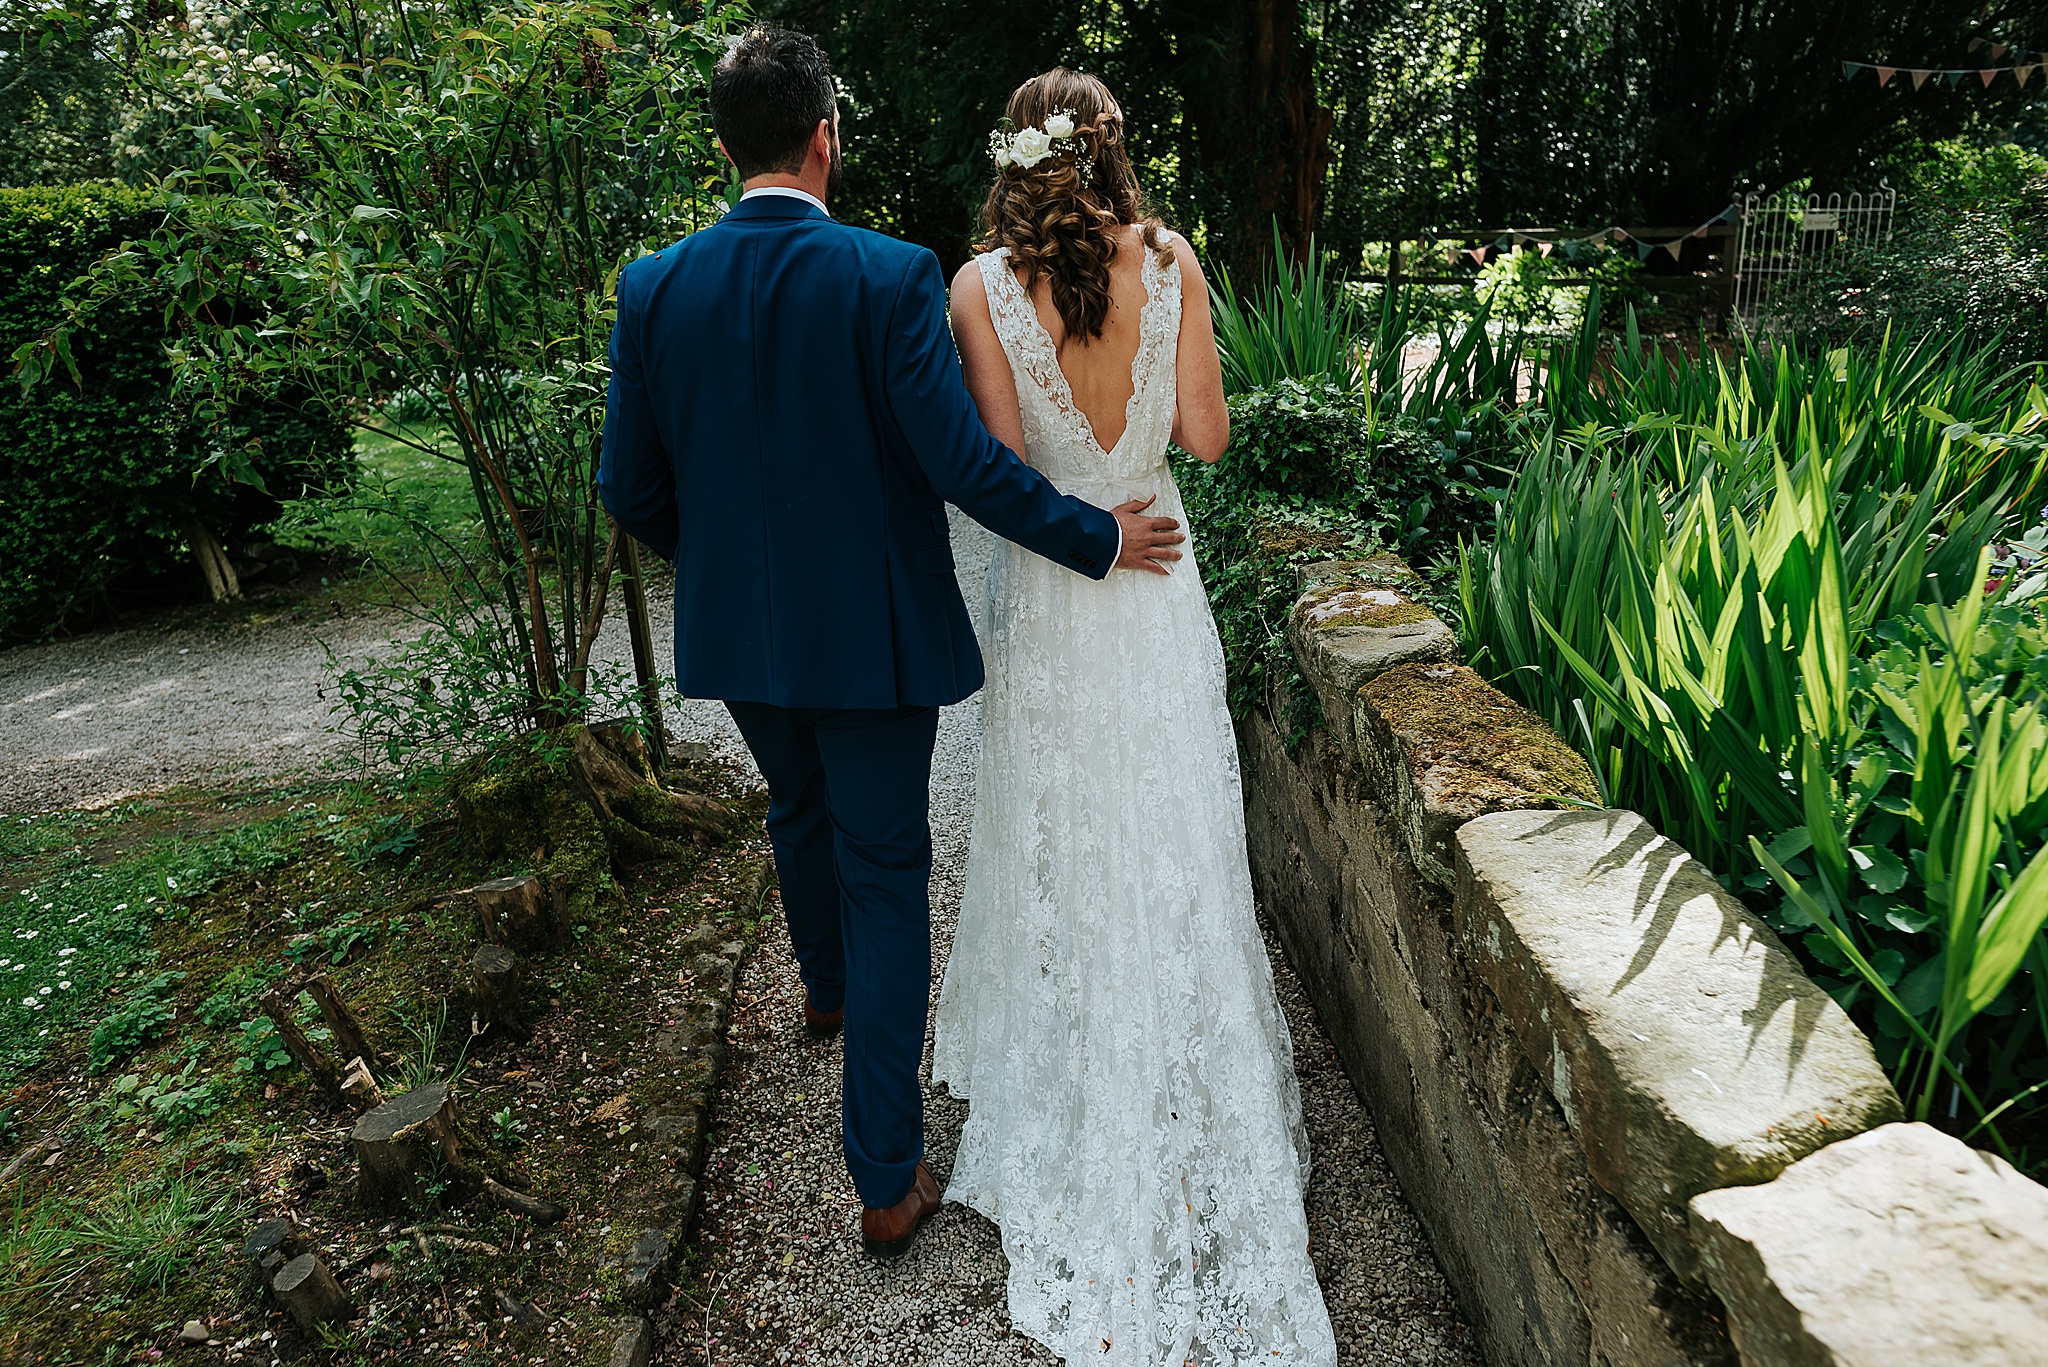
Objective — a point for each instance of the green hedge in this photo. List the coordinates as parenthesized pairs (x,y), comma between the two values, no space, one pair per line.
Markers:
(98,480)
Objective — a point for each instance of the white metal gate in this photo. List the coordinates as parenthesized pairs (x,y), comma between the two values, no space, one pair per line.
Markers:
(1782,233)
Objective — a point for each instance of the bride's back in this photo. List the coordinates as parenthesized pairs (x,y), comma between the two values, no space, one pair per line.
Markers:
(1098,369)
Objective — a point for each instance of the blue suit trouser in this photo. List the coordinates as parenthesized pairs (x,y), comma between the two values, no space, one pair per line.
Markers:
(849,796)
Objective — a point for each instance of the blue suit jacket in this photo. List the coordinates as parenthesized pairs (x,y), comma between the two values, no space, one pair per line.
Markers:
(786,423)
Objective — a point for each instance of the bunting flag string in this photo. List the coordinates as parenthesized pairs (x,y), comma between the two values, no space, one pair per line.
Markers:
(1612,233)
(2021,71)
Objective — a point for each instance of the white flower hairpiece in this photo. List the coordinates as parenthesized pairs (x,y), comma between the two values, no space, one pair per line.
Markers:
(1027,147)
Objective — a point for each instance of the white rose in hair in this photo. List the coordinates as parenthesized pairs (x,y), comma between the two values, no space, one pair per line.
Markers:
(1060,126)
(1031,146)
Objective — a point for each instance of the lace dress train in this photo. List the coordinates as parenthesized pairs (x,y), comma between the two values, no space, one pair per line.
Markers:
(1108,1008)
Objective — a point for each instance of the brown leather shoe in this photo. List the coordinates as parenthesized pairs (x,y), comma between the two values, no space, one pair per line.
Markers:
(889,1233)
(822,1024)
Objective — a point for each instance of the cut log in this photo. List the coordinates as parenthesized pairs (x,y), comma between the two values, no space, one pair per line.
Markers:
(310,1292)
(349,1040)
(518,913)
(281,1005)
(359,1085)
(519,1203)
(494,989)
(402,1142)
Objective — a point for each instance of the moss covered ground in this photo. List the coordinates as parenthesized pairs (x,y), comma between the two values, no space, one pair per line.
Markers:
(158,1119)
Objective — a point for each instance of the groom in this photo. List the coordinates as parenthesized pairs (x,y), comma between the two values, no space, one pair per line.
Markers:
(787,423)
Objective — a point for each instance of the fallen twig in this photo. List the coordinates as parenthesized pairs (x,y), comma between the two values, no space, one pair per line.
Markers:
(533,1207)
(51,1142)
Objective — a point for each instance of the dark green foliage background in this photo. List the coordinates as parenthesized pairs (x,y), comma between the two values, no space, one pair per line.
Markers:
(1970,248)
(98,479)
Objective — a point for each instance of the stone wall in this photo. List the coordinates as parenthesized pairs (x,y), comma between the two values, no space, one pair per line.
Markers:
(1614,1100)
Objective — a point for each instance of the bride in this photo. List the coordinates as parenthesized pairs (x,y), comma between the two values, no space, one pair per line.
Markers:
(1134,1125)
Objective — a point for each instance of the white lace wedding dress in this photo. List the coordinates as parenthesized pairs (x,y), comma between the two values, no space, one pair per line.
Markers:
(1135,1125)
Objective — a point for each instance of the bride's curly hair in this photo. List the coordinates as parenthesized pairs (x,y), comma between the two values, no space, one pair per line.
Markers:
(1060,218)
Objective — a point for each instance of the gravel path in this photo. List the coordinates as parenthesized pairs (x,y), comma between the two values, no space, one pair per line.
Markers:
(90,720)
(780,1220)
(96,718)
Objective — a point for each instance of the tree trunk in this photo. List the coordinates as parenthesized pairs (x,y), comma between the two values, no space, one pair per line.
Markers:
(221,581)
(641,629)
(518,913)
(1260,133)
(1489,188)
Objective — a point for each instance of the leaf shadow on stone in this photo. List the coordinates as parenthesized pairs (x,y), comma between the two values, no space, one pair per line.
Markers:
(1672,878)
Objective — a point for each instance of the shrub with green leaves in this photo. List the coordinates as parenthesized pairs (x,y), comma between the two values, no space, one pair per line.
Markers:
(262,1048)
(1970,248)
(171,1101)
(1313,474)
(235,993)
(103,475)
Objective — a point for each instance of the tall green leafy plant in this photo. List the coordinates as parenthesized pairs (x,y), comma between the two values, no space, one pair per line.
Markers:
(1643,479)
(438,200)
(1737,653)
(1300,323)
(1929,813)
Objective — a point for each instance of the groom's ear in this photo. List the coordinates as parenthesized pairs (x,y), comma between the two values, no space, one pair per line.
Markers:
(719,143)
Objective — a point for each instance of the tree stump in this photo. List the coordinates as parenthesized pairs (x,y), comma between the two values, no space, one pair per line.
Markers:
(517,912)
(494,989)
(272,1244)
(280,1003)
(403,1142)
(310,1292)
(359,1085)
(349,1040)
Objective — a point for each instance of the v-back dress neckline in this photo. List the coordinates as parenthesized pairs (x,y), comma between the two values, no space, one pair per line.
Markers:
(1053,378)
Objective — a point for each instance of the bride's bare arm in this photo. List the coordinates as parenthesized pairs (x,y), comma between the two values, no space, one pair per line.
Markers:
(1201,423)
(986,369)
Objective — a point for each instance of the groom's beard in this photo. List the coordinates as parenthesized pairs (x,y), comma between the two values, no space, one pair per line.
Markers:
(834,173)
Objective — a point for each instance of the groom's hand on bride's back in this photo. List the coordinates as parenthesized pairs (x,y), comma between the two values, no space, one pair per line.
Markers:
(1148,541)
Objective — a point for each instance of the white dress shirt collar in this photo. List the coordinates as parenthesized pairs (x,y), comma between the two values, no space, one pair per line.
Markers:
(789,192)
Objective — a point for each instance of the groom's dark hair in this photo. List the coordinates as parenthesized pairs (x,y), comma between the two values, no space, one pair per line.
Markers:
(767,95)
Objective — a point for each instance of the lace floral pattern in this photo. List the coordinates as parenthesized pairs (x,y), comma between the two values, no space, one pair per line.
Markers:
(1135,1125)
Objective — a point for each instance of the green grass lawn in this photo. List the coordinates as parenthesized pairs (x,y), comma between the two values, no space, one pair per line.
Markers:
(411,490)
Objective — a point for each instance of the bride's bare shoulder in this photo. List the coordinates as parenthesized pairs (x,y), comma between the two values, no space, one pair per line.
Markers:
(968,286)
